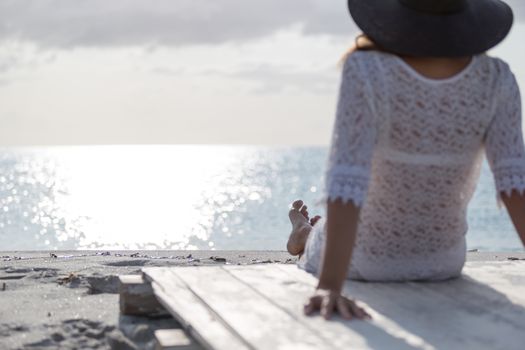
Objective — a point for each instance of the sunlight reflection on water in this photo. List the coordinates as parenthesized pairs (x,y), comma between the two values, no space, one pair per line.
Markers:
(178,197)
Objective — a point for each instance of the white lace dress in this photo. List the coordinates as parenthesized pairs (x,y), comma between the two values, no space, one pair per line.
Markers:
(408,150)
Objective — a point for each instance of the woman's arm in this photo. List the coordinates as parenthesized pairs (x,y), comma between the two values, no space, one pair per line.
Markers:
(341,226)
(515,204)
(348,173)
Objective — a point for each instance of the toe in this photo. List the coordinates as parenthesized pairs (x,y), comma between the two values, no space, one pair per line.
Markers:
(296,214)
(304,211)
(297,204)
(314,220)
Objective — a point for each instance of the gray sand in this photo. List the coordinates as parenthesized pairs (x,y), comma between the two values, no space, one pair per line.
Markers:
(69,300)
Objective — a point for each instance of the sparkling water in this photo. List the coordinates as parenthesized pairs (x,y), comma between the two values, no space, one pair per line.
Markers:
(179,197)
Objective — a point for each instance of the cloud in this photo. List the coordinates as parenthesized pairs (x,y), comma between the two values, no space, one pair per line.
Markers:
(67,23)
(268,79)
(75,23)
(15,56)
(274,80)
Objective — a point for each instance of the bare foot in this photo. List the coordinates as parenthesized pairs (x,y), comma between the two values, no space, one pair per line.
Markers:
(301,227)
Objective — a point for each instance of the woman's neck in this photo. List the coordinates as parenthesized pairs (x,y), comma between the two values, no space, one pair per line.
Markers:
(437,67)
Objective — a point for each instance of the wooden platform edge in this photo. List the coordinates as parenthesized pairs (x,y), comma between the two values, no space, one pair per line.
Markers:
(191,313)
(137,297)
(173,339)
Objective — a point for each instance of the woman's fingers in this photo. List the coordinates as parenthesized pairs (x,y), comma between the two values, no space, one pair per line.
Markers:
(309,308)
(358,311)
(343,309)
(366,315)
(327,303)
(313,305)
(327,306)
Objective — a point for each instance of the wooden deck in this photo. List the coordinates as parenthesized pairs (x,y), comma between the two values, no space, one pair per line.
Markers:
(260,307)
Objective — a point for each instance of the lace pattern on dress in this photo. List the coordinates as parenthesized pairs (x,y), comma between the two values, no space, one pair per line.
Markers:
(409,151)
(504,140)
(348,184)
(510,176)
(353,140)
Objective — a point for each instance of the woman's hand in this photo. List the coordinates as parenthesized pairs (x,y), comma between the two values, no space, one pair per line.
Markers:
(341,228)
(327,301)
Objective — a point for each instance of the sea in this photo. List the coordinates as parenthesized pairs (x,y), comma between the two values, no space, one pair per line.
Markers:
(181,197)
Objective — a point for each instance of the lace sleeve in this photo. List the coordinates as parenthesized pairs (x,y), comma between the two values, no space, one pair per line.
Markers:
(353,137)
(504,140)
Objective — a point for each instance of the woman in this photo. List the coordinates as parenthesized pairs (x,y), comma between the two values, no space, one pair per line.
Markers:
(415,114)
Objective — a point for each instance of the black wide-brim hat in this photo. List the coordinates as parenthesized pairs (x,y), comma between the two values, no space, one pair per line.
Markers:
(438,28)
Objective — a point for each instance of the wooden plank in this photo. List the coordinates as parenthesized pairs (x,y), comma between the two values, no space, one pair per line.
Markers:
(394,295)
(258,320)
(485,312)
(290,287)
(173,339)
(260,307)
(137,297)
(506,277)
(457,314)
(196,318)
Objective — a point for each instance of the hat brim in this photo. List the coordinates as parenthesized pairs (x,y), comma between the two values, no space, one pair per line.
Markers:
(399,29)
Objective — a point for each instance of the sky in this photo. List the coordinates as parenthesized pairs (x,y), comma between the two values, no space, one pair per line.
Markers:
(179,71)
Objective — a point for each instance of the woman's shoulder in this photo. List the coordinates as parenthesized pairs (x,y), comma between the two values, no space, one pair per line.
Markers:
(495,65)
(501,73)
(498,64)
(372,62)
(360,57)
(364,63)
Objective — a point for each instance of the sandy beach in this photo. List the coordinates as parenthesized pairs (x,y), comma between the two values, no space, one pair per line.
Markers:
(69,300)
